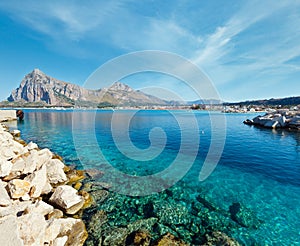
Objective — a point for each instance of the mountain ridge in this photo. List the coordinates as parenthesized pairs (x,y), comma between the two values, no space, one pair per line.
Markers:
(38,87)
(285,101)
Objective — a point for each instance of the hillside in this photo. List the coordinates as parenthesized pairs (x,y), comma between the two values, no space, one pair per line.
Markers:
(288,101)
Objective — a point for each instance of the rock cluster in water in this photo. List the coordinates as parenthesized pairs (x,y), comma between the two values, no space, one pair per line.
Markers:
(278,119)
(173,217)
(36,204)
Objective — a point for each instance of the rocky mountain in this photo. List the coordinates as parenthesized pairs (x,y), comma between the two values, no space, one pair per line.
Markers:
(37,87)
(206,101)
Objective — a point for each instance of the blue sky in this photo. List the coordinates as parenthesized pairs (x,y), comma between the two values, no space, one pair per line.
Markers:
(249,49)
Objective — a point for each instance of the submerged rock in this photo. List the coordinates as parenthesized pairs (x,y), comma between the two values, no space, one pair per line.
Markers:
(139,238)
(95,223)
(121,235)
(73,229)
(116,236)
(219,238)
(74,176)
(169,239)
(171,214)
(244,216)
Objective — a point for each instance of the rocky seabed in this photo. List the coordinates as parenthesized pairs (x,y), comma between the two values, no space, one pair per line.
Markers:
(37,206)
(44,202)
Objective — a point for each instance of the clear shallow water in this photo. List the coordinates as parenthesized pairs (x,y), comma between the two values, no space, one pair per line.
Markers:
(259,168)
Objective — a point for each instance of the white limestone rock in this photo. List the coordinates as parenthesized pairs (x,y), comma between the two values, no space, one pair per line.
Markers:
(32,146)
(32,228)
(26,197)
(30,162)
(47,188)
(60,241)
(16,207)
(74,229)
(4,197)
(55,171)
(18,188)
(16,133)
(39,207)
(18,166)
(9,233)
(38,181)
(6,136)
(17,147)
(52,230)
(5,167)
(44,156)
(67,199)
(7,153)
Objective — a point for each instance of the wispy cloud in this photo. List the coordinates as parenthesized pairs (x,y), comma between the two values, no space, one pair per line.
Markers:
(66,19)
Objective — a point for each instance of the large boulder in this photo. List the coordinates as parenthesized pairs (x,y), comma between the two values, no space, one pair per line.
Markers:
(39,207)
(73,229)
(9,233)
(271,124)
(282,121)
(55,171)
(32,228)
(30,161)
(16,207)
(18,188)
(66,198)
(38,181)
(44,156)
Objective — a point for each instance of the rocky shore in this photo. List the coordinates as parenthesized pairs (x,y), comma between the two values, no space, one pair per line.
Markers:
(285,119)
(38,205)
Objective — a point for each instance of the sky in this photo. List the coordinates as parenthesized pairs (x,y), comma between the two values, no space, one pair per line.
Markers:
(248,49)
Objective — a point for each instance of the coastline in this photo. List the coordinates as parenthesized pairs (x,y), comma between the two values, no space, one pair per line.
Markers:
(43,205)
(38,204)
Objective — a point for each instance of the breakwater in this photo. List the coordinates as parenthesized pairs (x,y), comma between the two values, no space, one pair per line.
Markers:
(38,205)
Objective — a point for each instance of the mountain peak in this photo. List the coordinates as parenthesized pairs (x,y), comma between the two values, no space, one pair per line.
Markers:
(37,71)
(118,86)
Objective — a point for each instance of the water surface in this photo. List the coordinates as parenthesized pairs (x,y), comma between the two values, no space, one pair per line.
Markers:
(259,168)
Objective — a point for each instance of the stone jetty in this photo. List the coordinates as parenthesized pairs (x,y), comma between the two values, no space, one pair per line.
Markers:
(37,207)
(286,119)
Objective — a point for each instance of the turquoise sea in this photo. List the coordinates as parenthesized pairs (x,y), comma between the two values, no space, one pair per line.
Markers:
(259,170)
